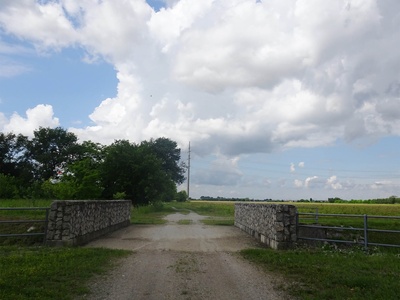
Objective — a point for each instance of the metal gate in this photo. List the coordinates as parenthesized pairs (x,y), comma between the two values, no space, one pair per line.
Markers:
(363,232)
(45,221)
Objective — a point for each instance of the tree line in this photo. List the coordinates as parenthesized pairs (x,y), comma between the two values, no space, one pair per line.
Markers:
(54,165)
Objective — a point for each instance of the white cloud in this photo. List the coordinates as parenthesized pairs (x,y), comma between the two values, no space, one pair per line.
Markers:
(222,171)
(292,168)
(333,183)
(298,183)
(46,25)
(301,164)
(39,116)
(310,181)
(381,184)
(232,76)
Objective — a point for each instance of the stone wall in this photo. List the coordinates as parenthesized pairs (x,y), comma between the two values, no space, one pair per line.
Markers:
(272,224)
(78,222)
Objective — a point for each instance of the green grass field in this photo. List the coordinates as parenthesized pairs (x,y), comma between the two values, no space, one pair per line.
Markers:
(315,274)
(51,273)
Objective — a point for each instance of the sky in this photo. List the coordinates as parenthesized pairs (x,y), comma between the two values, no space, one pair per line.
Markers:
(279,99)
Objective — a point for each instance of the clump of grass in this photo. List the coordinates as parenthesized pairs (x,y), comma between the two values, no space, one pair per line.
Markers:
(333,274)
(185,222)
(219,221)
(51,273)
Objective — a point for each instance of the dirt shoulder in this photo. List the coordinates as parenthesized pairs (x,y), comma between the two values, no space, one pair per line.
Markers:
(175,261)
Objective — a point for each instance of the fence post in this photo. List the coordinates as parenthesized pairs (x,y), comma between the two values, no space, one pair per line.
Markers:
(365,232)
(46,226)
(316,215)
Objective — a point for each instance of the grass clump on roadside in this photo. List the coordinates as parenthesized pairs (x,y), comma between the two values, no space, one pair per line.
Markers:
(185,222)
(219,221)
(333,274)
(51,273)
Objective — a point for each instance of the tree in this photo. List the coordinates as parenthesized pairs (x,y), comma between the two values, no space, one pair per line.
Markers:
(170,155)
(12,150)
(84,174)
(51,150)
(136,171)
(8,187)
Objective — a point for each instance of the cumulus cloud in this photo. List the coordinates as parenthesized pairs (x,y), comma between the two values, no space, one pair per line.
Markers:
(232,76)
(222,171)
(293,166)
(39,116)
(298,183)
(333,183)
(310,181)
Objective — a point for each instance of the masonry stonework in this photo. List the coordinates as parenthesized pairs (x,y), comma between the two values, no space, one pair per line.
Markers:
(272,224)
(73,223)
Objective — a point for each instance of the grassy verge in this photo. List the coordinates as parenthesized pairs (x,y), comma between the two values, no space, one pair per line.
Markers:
(51,273)
(151,214)
(214,209)
(219,221)
(332,274)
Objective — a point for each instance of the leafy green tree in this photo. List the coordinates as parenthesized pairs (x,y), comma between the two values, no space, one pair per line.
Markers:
(84,174)
(8,187)
(12,150)
(170,155)
(136,171)
(60,190)
(14,163)
(51,150)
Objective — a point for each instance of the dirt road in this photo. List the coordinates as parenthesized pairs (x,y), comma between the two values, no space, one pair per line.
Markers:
(176,261)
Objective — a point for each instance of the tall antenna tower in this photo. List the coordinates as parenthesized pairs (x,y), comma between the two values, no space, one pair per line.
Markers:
(188,174)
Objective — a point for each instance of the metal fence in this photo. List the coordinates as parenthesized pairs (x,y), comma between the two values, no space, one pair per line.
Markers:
(45,221)
(363,232)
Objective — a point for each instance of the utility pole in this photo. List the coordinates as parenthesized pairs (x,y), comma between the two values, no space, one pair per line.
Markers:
(188,174)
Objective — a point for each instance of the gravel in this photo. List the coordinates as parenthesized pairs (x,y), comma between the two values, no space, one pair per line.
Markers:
(175,261)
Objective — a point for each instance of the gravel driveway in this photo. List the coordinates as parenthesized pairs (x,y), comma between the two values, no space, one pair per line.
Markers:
(174,261)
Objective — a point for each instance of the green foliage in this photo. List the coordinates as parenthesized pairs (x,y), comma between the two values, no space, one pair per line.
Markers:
(61,190)
(181,196)
(36,272)
(136,171)
(54,165)
(119,196)
(8,186)
(169,154)
(51,150)
(332,274)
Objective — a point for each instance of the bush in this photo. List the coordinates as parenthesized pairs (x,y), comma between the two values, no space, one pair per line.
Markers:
(8,187)
(181,196)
